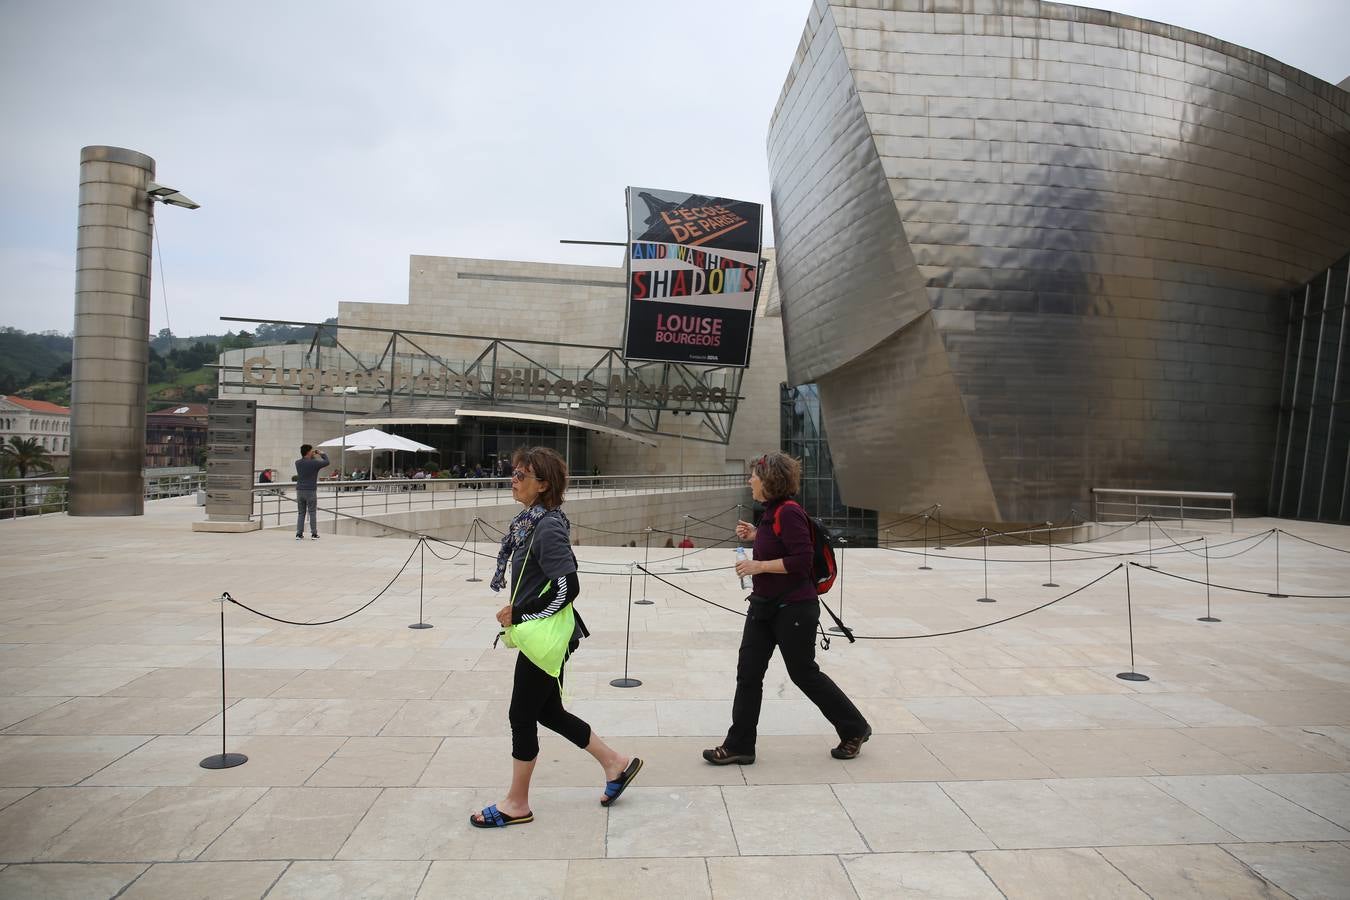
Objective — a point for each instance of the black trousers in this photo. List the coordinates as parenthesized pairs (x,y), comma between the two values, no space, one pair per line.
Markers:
(535,698)
(793,631)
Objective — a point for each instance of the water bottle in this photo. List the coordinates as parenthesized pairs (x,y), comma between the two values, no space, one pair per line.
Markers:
(740,556)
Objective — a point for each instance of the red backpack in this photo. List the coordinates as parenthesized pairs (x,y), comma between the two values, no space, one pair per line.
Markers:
(823,568)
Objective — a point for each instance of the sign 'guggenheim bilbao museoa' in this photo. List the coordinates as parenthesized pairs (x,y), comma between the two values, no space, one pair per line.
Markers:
(693,277)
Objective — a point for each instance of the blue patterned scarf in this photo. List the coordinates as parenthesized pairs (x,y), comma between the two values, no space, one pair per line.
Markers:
(516,536)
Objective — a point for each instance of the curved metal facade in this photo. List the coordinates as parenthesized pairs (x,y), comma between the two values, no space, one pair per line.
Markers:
(1035,248)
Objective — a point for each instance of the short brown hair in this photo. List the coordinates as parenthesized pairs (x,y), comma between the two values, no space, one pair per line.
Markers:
(780,474)
(547,466)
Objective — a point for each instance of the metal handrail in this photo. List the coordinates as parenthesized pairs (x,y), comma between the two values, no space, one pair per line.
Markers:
(33,496)
(39,496)
(1174,508)
(391,495)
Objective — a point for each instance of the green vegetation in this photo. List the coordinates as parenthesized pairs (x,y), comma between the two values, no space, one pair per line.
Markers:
(37,366)
(28,358)
(23,455)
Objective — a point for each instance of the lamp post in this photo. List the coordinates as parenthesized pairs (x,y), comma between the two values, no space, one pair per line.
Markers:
(342,459)
(567,448)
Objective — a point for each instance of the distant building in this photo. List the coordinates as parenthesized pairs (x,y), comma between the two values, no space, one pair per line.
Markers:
(47,423)
(175,436)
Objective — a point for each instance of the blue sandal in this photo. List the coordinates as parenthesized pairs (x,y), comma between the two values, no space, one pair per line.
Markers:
(614,789)
(495,818)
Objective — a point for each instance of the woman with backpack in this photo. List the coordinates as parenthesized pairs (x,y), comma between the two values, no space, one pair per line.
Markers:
(784,613)
(539,621)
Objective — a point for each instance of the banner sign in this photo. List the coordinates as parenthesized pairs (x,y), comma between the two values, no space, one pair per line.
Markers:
(693,277)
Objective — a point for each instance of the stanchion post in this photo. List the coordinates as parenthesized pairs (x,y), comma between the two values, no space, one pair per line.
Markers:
(843,543)
(473,533)
(1277,567)
(1150,543)
(1049,556)
(938,513)
(986,598)
(223,760)
(1131,675)
(625,681)
(421,584)
(684,539)
(646,556)
(925,567)
(1208,616)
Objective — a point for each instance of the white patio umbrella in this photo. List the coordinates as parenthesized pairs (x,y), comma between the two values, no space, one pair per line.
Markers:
(373,439)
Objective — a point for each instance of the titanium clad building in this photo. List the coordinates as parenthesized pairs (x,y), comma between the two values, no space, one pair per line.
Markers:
(1027,249)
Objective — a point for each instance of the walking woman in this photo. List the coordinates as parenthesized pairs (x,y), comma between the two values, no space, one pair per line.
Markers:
(784,613)
(541,623)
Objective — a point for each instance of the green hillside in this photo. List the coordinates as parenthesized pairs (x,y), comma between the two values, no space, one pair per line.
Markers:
(27,358)
(37,366)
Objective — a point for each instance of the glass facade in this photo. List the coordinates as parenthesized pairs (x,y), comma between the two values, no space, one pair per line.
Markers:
(484,442)
(1310,475)
(803,436)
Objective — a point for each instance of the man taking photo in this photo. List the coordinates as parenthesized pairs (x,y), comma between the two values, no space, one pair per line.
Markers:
(307,468)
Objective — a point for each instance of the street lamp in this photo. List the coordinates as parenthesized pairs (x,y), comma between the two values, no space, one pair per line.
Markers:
(567,448)
(342,460)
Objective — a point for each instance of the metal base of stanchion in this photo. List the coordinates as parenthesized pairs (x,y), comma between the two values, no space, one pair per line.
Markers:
(223,761)
(1149,566)
(985,600)
(835,629)
(1278,596)
(644,602)
(1049,584)
(625,683)
(1208,619)
(473,579)
(681,569)
(421,625)
(925,568)
(1132,676)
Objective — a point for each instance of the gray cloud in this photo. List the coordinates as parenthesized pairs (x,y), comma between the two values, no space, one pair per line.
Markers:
(327,142)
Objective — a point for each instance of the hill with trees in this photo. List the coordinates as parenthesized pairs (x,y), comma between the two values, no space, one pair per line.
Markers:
(37,365)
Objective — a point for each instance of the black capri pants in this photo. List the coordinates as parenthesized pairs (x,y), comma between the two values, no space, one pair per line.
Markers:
(536,698)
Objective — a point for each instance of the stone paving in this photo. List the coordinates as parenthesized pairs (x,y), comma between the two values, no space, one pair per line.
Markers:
(1006,762)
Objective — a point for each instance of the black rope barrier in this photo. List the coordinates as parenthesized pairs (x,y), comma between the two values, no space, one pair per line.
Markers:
(361,608)
(915,637)
(1309,541)
(1265,536)
(1224,587)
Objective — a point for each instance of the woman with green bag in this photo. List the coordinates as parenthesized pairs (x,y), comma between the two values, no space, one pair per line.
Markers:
(540,622)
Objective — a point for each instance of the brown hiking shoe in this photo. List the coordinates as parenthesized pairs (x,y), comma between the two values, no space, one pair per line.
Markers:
(721,756)
(849,749)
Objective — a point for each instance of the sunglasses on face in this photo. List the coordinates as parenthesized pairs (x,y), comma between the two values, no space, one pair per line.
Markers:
(520,475)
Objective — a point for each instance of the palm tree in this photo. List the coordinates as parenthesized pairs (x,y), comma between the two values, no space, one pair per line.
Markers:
(23,454)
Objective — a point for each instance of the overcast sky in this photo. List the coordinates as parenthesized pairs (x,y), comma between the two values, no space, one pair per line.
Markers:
(328,141)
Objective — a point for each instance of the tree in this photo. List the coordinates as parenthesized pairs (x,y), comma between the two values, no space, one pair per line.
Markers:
(23,454)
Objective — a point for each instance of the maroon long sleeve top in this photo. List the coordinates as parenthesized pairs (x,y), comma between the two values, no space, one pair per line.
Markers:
(793,546)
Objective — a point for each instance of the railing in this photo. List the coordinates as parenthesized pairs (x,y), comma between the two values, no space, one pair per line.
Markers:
(51,493)
(392,495)
(1117,505)
(161,486)
(33,496)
